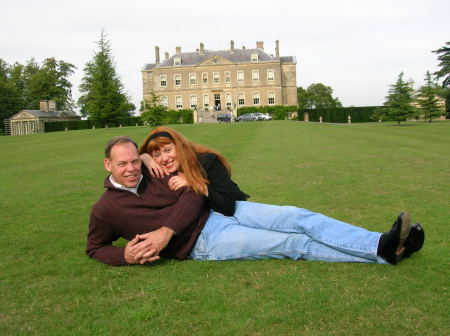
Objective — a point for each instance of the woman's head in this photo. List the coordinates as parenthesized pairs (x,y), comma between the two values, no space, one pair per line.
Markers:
(177,154)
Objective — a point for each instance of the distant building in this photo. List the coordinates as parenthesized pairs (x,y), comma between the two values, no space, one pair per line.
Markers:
(207,80)
(32,121)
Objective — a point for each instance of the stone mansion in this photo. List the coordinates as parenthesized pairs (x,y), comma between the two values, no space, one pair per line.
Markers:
(219,80)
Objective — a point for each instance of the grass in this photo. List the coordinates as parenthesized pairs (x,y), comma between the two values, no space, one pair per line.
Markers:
(360,173)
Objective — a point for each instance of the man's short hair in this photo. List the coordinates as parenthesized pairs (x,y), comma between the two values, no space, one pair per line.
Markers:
(121,139)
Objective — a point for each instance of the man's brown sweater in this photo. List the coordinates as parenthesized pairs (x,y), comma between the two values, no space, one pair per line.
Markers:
(120,213)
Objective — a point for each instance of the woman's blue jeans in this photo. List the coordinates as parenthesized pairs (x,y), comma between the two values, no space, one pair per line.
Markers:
(263,231)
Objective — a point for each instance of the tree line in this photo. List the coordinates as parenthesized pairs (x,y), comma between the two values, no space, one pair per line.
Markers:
(103,97)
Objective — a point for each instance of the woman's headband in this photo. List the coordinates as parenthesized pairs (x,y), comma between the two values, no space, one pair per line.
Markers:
(160,134)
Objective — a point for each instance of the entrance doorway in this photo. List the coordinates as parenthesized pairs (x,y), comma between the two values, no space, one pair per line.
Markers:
(217,106)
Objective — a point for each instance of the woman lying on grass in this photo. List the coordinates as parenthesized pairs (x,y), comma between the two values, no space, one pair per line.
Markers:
(237,229)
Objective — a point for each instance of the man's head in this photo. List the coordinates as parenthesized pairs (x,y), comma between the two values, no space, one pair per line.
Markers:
(122,161)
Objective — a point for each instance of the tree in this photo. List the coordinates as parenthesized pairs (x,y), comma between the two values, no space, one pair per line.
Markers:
(444,58)
(317,95)
(103,96)
(427,98)
(50,82)
(399,102)
(153,113)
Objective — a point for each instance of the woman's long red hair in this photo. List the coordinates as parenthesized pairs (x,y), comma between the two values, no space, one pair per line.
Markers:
(186,154)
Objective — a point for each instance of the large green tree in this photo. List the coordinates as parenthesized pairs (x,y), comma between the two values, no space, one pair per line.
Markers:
(317,95)
(427,100)
(444,58)
(103,97)
(399,102)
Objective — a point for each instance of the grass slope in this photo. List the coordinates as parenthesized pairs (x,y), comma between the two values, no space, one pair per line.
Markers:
(360,173)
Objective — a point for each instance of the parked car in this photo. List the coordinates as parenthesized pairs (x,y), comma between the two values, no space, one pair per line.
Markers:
(226,117)
(247,117)
(263,116)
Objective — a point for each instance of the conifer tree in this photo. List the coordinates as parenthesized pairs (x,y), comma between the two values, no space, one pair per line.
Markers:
(103,97)
(444,57)
(398,105)
(427,99)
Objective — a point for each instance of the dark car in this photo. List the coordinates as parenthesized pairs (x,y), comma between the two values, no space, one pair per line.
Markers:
(247,117)
(226,117)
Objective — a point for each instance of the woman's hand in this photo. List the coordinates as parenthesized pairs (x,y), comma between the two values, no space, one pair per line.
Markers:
(154,169)
(178,182)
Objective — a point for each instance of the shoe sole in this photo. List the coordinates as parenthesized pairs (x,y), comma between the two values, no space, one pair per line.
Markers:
(404,232)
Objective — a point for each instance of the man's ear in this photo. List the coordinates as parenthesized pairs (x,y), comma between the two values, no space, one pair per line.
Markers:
(107,164)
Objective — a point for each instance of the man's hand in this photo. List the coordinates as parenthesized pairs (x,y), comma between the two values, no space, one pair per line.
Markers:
(130,253)
(151,244)
(177,182)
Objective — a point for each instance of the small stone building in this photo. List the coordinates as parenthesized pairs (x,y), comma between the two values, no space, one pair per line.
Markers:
(32,121)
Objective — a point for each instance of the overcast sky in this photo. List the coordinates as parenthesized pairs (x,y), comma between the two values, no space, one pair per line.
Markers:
(358,47)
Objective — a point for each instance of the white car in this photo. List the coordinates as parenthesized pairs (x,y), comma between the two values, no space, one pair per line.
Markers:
(264,116)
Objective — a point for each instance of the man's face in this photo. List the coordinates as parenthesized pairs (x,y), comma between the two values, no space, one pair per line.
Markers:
(124,164)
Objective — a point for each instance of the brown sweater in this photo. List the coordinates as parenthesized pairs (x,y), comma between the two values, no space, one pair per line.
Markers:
(120,213)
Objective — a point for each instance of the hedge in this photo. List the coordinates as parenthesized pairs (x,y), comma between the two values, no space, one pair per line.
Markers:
(56,126)
(340,114)
(279,112)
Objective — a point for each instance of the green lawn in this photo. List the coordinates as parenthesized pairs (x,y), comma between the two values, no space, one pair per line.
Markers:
(364,174)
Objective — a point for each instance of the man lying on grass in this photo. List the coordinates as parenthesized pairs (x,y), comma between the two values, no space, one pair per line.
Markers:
(161,222)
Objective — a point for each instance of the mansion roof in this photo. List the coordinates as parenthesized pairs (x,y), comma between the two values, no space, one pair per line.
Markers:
(235,56)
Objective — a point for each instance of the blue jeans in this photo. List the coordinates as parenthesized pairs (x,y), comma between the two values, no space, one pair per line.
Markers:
(263,231)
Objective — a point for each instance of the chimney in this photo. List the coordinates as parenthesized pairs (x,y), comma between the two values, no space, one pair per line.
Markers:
(166,56)
(260,45)
(232,46)
(178,50)
(277,48)
(51,105)
(157,55)
(202,48)
(43,105)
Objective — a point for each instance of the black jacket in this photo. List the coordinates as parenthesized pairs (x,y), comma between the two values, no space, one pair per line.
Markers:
(222,191)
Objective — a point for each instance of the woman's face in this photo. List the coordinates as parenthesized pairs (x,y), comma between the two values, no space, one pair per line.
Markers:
(166,157)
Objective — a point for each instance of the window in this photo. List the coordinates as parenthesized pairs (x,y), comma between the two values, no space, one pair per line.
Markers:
(270,75)
(205,78)
(241,99)
(227,77)
(255,98)
(216,78)
(192,79)
(178,102)
(163,101)
(177,61)
(205,101)
(193,101)
(271,97)
(255,75)
(254,57)
(240,76)
(228,100)
(177,80)
(163,80)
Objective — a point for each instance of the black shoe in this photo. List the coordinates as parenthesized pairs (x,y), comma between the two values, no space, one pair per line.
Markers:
(415,240)
(391,246)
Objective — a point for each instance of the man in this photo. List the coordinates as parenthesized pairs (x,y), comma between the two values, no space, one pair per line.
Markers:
(141,209)
(176,224)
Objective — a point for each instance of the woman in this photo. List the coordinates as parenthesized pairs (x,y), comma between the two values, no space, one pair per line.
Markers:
(260,230)
(203,169)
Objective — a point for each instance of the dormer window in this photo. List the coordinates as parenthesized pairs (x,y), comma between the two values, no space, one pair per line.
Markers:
(177,61)
(254,57)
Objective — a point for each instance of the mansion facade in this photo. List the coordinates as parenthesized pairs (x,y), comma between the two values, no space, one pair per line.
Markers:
(221,80)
